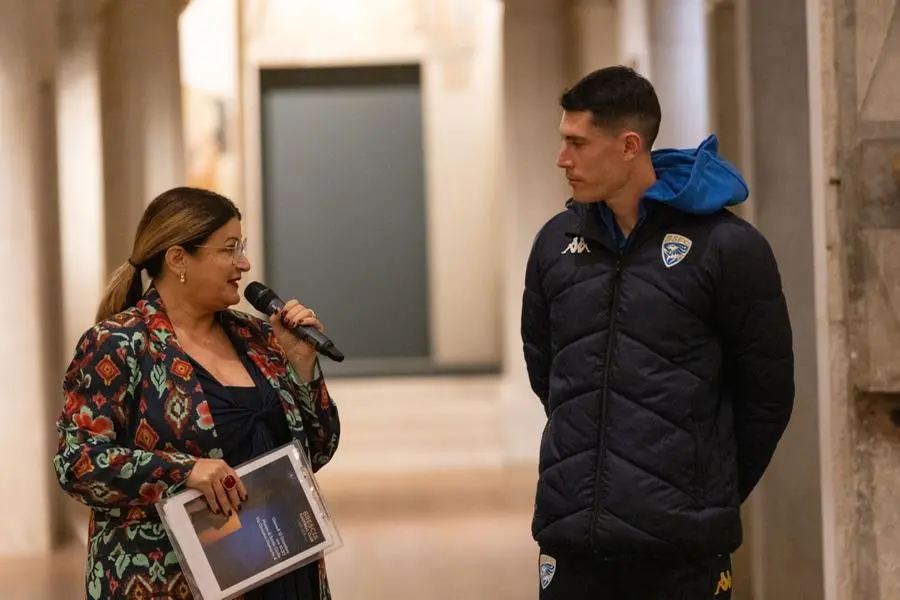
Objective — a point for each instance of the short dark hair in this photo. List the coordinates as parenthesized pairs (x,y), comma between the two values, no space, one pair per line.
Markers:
(617,97)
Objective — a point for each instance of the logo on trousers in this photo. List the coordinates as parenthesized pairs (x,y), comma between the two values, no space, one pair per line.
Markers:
(724,583)
(547,570)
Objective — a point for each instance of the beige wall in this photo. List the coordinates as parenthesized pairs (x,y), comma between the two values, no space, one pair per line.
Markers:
(458,47)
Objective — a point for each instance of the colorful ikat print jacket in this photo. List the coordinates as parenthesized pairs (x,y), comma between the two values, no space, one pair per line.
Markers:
(134,422)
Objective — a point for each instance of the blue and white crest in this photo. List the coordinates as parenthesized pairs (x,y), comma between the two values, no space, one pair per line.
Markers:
(674,248)
(547,570)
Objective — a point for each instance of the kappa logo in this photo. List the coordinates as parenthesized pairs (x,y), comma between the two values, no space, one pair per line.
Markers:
(724,584)
(547,570)
(576,246)
(674,248)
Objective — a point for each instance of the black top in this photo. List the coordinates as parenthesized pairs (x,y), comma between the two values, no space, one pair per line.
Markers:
(666,371)
(250,421)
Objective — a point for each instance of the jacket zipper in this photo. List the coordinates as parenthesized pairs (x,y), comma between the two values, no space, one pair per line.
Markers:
(601,435)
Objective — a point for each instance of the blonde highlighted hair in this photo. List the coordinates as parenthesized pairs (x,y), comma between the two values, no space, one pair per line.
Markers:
(182,216)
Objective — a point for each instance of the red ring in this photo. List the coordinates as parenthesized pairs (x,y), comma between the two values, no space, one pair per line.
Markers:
(229,482)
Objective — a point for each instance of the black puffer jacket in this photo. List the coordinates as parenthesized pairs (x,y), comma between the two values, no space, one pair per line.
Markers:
(667,381)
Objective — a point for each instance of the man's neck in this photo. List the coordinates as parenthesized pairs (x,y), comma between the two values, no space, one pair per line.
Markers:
(627,212)
(626,203)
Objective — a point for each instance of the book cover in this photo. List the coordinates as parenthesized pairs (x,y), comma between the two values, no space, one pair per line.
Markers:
(275,524)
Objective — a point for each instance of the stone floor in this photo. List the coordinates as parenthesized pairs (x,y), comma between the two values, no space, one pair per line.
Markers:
(443,537)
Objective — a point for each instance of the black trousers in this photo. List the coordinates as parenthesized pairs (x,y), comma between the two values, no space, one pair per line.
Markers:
(587,578)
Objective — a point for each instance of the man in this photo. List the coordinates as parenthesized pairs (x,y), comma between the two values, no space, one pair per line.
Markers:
(657,338)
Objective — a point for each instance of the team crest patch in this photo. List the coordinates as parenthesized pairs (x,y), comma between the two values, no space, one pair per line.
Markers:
(547,570)
(674,248)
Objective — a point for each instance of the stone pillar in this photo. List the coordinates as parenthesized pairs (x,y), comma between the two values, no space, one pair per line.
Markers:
(679,66)
(27,243)
(725,101)
(595,26)
(857,98)
(633,39)
(786,518)
(81,198)
(535,38)
(730,88)
(143,144)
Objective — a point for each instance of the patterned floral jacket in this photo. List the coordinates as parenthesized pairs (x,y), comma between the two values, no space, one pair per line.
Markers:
(135,418)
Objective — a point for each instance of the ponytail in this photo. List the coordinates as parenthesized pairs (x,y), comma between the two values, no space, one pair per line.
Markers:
(182,216)
(125,288)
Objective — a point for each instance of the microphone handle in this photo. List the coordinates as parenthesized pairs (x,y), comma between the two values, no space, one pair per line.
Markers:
(315,337)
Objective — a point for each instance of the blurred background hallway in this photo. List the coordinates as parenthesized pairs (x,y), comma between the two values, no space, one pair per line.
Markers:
(401,154)
(453,535)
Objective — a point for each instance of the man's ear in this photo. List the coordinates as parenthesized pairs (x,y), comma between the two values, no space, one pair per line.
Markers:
(633,145)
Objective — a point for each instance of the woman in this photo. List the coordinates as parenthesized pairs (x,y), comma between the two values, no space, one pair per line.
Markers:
(171,389)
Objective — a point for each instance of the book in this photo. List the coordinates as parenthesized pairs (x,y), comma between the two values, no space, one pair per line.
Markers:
(283,525)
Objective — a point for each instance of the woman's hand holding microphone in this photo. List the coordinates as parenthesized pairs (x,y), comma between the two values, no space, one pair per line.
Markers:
(301,354)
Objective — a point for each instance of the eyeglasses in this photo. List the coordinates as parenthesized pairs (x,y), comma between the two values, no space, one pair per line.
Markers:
(238,251)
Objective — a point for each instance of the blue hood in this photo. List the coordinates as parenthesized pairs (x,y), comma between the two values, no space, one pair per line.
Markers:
(697,180)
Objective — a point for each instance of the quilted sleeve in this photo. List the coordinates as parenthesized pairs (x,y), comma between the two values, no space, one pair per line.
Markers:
(535,330)
(756,334)
(320,417)
(93,461)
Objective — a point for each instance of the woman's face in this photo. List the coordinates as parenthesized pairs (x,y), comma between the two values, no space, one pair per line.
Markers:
(213,273)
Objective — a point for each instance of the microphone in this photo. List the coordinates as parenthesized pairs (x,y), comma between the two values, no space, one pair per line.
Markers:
(266,301)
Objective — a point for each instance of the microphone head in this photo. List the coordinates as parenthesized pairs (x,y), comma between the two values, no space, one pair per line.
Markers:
(261,297)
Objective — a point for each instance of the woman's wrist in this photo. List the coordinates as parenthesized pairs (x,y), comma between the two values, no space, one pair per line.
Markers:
(305,367)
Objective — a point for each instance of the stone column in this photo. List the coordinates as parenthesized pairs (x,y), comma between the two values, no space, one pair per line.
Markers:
(679,66)
(536,64)
(143,144)
(27,232)
(80,148)
(81,199)
(731,116)
(633,39)
(595,26)
(786,509)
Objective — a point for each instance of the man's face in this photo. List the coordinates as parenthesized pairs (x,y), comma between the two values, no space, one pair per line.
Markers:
(596,162)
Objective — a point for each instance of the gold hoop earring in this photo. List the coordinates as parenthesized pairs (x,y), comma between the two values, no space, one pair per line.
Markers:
(181,277)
